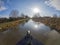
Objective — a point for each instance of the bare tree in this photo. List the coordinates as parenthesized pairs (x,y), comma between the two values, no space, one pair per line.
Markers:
(55,16)
(14,13)
(37,15)
(22,15)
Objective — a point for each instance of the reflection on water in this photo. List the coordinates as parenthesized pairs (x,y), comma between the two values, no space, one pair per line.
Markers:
(38,30)
(35,27)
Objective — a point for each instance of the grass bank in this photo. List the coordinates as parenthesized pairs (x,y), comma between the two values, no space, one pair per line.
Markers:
(7,25)
(54,23)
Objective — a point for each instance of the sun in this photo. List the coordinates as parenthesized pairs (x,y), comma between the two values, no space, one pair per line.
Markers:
(36,10)
(36,26)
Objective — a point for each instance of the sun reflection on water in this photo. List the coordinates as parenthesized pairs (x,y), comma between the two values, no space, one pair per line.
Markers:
(36,26)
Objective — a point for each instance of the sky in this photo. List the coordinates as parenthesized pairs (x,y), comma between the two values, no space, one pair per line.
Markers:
(46,7)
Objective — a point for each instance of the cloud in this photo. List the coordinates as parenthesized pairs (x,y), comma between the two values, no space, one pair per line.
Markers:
(4,16)
(2,6)
(53,3)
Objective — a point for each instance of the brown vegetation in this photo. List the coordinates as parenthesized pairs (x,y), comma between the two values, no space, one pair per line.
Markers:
(54,23)
(7,25)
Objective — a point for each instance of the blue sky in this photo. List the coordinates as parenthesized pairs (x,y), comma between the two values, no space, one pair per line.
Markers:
(47,7)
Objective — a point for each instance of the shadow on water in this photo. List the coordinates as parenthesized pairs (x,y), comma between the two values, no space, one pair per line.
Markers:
(38,30)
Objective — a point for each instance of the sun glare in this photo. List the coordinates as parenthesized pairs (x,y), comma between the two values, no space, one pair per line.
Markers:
(36,26)
(31,16)
(36,10)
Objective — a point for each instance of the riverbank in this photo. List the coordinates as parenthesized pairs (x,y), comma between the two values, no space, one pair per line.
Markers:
(53,23)
(7,25)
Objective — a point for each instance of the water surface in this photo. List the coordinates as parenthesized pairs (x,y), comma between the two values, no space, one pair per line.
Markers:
(38,30)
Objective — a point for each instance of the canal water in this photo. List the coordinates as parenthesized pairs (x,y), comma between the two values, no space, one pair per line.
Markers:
(39,31)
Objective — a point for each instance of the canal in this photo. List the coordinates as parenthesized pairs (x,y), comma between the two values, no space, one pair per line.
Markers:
(39,31)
